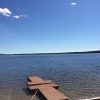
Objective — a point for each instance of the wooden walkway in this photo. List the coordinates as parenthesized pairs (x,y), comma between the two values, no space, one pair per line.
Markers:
(95,98)
(47,88)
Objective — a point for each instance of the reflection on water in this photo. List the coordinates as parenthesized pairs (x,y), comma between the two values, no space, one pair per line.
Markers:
(78,76)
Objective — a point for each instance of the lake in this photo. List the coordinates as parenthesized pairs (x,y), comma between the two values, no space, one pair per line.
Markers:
(78,75)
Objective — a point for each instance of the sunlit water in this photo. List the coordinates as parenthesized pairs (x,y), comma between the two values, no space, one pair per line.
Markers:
(78,75)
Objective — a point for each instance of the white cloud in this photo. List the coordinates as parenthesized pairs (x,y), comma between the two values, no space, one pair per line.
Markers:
(23,15)
(21,9)
(19,16)
(73,3)
(5,12)
(16,17)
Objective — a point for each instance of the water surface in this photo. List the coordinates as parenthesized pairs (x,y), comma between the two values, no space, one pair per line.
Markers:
(78,75)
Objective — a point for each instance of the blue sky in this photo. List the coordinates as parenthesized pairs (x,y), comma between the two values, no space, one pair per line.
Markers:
(39,26)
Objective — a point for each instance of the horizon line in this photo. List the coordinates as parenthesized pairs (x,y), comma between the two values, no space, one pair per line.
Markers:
(91,51)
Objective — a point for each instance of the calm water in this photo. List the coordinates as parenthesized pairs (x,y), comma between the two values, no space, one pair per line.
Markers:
(78,75)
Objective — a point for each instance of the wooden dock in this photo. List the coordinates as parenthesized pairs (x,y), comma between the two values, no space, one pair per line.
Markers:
(95,98)
(46,87)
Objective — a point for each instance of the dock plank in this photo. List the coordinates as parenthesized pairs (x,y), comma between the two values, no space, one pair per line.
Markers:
(95,98)
(51,93)
(38,86)
(39,82)
(35,79)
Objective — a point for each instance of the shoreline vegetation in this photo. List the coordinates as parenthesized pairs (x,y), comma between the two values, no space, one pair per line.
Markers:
(83,52)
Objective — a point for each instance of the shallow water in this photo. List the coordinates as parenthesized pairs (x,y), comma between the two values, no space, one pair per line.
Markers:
(78,75)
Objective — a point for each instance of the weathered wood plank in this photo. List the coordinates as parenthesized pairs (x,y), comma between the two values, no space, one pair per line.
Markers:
(95,98)
(38,86)
(39,82)
(35,79)
(51,93)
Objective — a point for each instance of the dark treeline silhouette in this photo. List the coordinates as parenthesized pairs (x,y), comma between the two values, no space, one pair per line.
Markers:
(83,52)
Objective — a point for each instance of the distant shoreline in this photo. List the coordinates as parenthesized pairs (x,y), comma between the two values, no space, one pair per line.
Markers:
(84,52)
